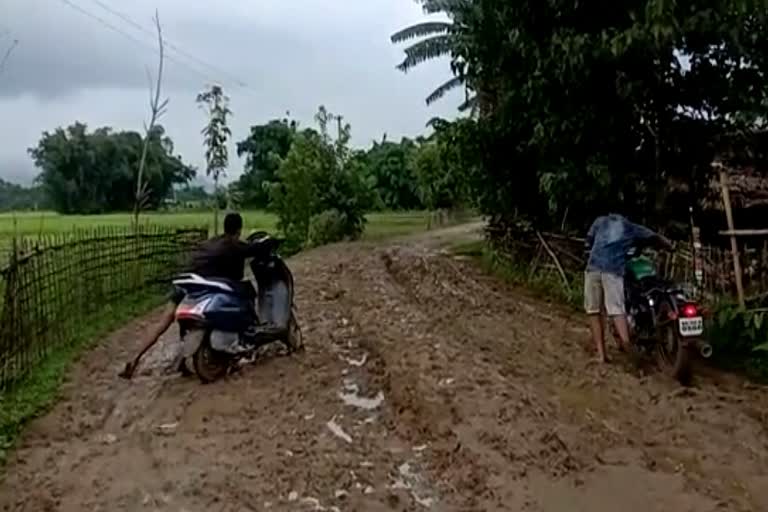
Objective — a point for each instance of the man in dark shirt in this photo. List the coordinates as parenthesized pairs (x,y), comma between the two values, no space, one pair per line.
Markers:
(223,257)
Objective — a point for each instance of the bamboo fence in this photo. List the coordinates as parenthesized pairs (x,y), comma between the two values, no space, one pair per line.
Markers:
(54,285)
(563,254)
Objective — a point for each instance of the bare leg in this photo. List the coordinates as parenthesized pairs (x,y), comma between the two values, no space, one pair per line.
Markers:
(165,322)
(622,329)
(603,329)
(596,325)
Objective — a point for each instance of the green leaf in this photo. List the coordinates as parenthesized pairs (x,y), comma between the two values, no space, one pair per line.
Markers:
(758,320)
(723,317)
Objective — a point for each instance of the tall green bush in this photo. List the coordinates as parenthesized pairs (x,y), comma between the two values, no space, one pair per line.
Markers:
(319,174)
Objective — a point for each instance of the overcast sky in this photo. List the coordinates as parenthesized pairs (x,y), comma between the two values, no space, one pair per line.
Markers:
(291,55)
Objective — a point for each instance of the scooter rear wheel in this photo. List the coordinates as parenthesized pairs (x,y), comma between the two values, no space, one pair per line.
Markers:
(210,365)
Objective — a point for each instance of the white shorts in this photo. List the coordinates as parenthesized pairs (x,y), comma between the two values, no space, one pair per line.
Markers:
(603,292)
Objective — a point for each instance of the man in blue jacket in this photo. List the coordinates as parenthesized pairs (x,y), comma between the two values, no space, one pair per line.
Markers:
(608,241)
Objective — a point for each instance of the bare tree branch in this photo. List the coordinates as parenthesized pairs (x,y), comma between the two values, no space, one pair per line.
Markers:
(157,110)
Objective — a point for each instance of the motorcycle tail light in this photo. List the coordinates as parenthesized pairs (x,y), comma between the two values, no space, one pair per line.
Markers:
(690,311)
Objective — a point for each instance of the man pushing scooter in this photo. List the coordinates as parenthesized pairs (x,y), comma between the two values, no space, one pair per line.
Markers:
(223,257)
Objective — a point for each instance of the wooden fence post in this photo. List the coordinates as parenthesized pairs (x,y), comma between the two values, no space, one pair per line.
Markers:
(698,271)
(734,243)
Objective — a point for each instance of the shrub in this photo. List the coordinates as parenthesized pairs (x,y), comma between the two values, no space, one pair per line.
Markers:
(740,339)
(330,226)
(320,176)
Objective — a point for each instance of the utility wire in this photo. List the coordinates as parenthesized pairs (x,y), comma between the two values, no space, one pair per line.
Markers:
(170,45)
(112,27)
(8,54)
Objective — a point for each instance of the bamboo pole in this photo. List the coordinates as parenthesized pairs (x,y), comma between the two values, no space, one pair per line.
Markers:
(698,271)
(744,232)
(734,244)
(555,260)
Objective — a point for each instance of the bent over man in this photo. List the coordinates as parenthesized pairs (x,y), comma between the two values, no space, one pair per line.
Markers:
(608,241)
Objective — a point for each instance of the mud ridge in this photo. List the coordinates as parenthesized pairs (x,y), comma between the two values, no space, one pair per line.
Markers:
(426,385)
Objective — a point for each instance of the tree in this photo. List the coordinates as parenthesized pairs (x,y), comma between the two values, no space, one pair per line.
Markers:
(157,109)
(14,197)
(216,134)
(389,165)
(319,181)
(189,195)
(441,169)
(264,149)
(82,172)
(436,40)
(615,103)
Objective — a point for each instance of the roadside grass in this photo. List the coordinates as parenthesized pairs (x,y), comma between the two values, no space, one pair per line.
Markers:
(37,392)
(547,286)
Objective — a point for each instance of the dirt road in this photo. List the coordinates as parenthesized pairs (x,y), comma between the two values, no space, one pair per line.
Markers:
(425,386)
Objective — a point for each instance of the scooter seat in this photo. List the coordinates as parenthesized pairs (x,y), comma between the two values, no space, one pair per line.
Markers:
(243,288)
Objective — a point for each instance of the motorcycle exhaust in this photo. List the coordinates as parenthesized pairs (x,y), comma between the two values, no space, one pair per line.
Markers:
(705,349)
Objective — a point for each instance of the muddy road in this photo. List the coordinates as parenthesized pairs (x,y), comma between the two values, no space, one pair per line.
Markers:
(425,386)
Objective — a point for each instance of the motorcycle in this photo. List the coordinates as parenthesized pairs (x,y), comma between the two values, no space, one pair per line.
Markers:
(222,321)
(662,317)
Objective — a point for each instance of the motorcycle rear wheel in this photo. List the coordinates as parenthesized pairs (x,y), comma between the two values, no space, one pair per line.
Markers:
(209,365)
(673,355)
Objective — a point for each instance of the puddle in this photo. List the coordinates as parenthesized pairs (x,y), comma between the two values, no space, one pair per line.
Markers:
(368,404)
(408,479)
(353,399)
(358,362)
(336,429)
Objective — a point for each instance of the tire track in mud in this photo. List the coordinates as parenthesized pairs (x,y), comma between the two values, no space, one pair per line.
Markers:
(425,386)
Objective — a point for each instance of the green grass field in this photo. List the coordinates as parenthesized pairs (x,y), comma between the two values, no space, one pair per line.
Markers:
(34,224)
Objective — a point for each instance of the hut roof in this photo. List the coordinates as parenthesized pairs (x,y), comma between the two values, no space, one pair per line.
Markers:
(748,188)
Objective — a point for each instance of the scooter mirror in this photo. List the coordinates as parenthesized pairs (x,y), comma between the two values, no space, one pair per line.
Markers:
(257,235)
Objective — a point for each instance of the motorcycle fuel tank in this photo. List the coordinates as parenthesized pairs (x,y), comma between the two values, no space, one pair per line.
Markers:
(641,267)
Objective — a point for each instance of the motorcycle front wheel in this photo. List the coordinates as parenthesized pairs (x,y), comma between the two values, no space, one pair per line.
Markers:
(673,355)
(209,365)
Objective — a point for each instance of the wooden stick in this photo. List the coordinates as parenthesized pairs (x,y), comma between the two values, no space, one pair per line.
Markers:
(554,259)
(534,263)
(744,232)
(734,244)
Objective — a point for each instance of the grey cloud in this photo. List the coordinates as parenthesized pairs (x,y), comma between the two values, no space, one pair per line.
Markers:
(61,50)
(18,171)
(294,55)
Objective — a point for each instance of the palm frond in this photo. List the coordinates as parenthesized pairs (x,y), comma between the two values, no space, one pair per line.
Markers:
(437,123)
(426,28)
(435,6)
(443,89)
(427,49)
(470,104)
